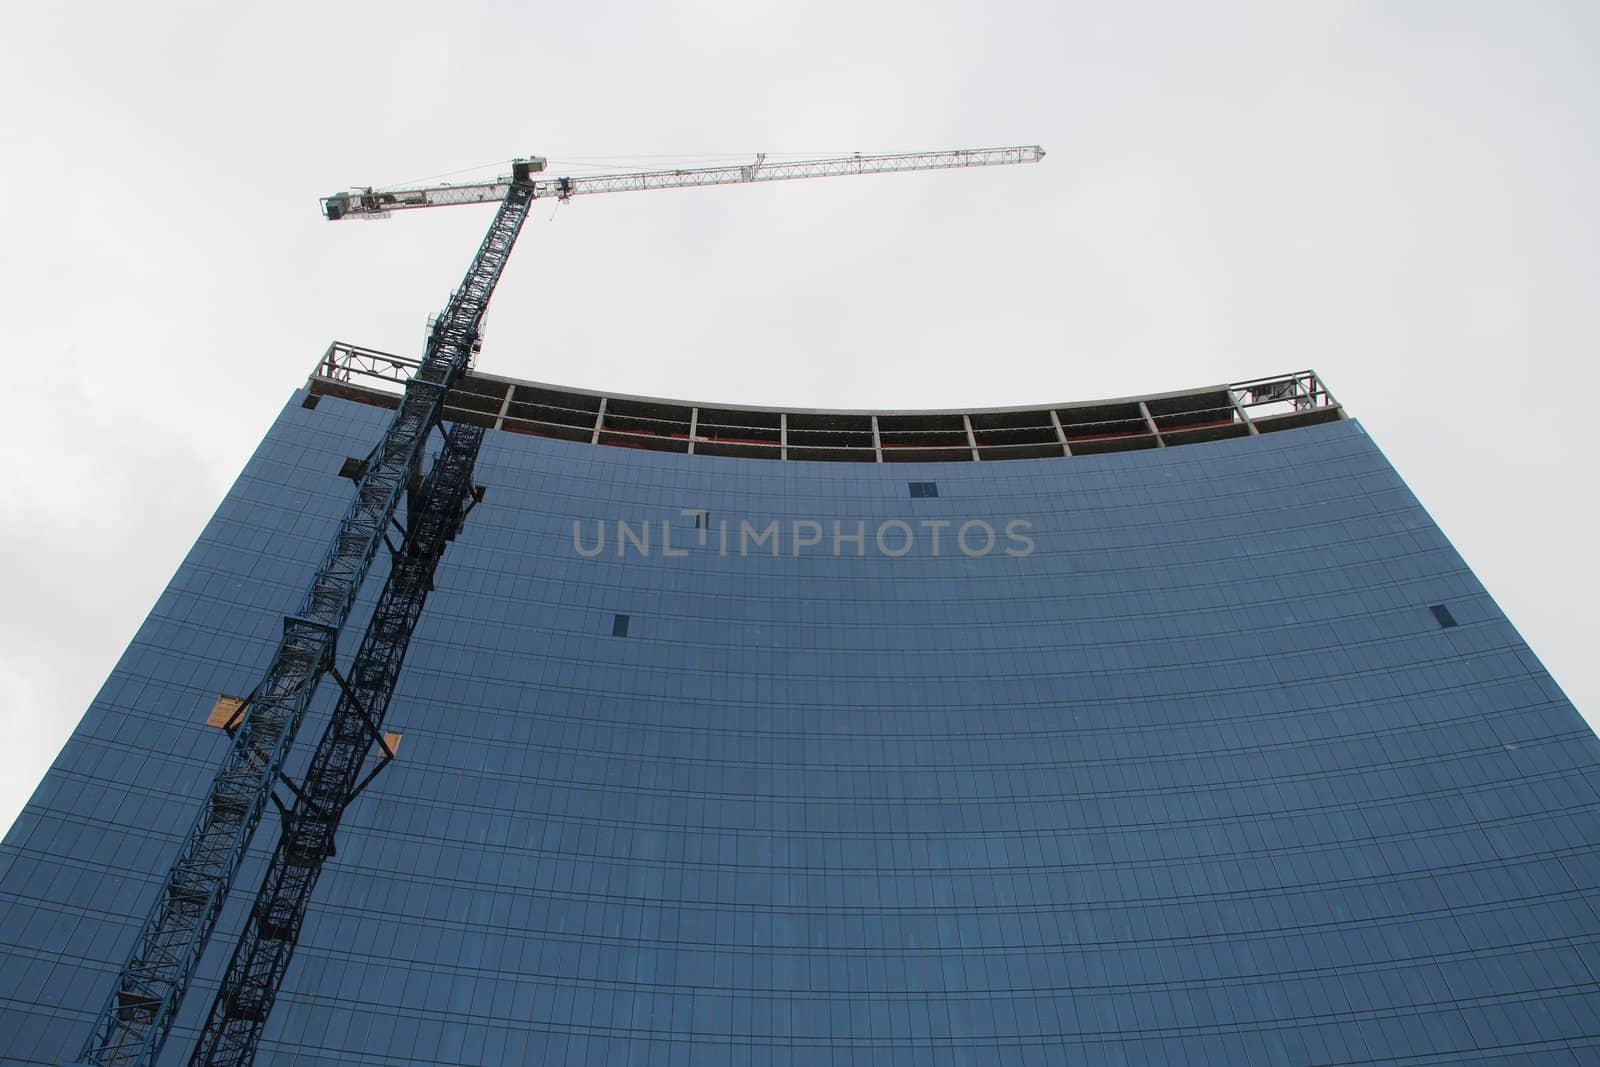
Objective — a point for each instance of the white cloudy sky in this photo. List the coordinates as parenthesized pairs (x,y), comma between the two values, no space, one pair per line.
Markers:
(1400,195)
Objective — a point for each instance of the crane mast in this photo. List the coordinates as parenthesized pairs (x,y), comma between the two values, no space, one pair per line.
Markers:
(137,1015)
(261,957)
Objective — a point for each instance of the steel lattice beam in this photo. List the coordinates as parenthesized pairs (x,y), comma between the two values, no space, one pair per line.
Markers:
(373,203)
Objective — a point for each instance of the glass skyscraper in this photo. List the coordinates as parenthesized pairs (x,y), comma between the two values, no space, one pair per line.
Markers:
(1167,730)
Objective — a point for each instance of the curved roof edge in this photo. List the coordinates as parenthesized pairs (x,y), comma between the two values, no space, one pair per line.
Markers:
(1154,420)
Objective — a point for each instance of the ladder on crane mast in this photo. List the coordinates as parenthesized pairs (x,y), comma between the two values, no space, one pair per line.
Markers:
(137,1015)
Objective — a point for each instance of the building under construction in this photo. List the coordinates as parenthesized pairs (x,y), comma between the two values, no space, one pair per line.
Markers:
(492,721)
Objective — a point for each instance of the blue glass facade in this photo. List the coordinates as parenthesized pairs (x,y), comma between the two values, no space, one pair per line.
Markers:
(1182,767)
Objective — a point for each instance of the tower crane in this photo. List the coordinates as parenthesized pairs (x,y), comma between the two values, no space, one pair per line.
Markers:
(138,1012)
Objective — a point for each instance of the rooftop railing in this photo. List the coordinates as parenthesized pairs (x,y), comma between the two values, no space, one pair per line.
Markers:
(1158,420)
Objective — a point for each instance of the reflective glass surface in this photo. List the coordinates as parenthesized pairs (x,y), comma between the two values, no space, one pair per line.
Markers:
(1157,757)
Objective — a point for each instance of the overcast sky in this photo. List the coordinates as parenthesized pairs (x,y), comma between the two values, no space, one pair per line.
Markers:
(1399,195)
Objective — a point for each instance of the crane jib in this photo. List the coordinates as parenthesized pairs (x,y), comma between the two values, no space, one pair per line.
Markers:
(379,203)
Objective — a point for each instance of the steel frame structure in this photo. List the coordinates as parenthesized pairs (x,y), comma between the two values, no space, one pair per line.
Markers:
(261,958)
(345,363)
(1155,420)
(138,1014)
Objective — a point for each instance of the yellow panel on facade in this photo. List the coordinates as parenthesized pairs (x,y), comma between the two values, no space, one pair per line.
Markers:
(226,713)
